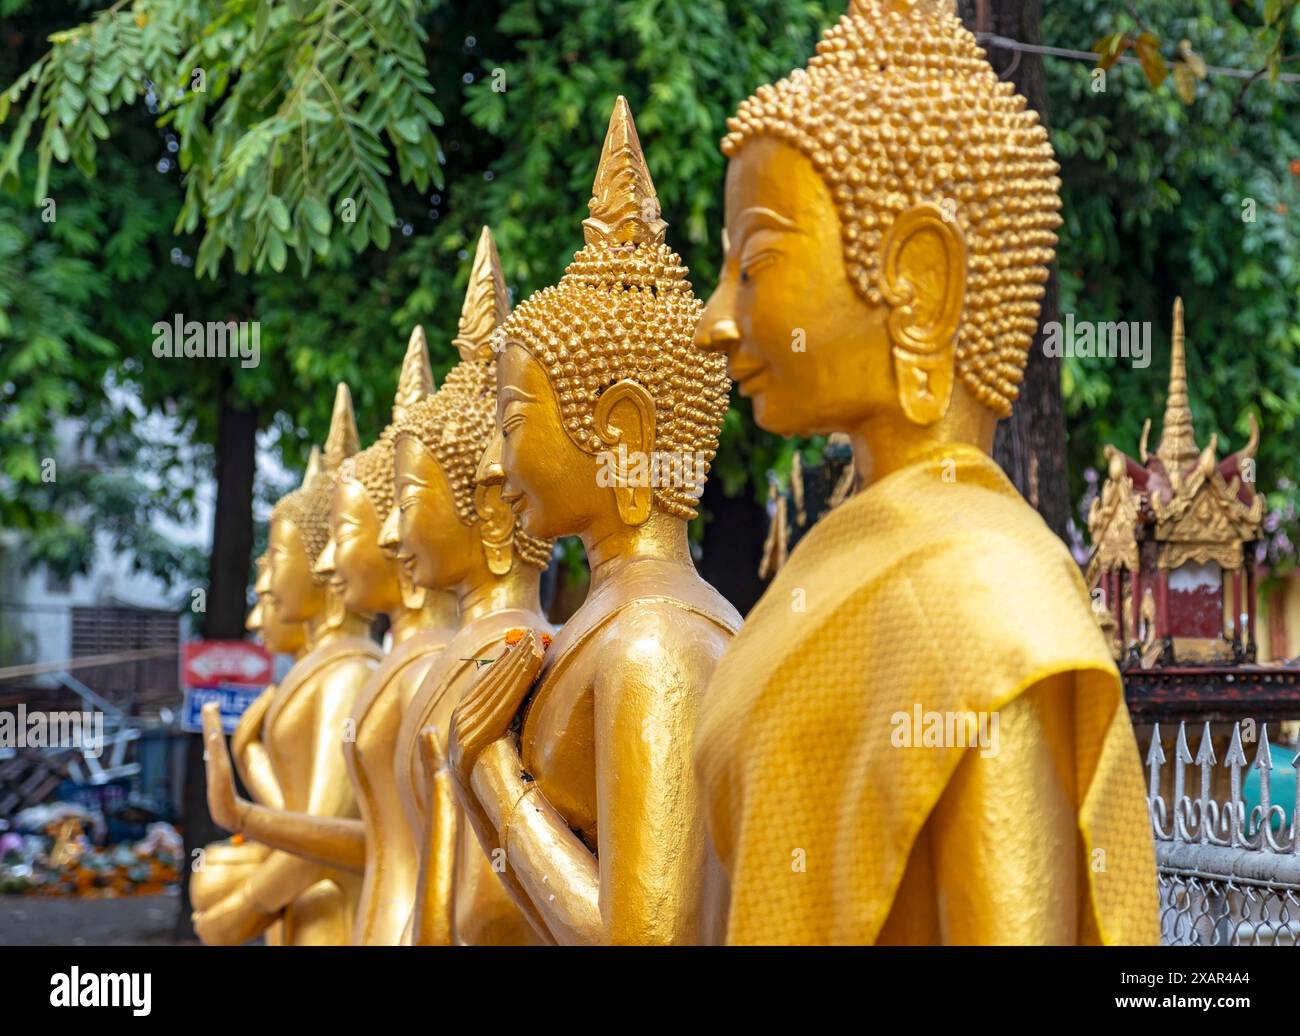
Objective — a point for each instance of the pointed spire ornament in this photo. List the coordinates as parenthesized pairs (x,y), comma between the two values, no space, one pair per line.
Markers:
(315,466)
(343,440)
(1177,440)
(624,207)
(416,379)
(866,9)
(487,303)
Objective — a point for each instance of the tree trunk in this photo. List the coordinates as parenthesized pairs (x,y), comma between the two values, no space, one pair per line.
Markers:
(232,546)
(1030,444)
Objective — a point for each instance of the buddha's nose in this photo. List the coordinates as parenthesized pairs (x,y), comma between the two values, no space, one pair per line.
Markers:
(388,532)
(325,563)
(490,472)
(717,335)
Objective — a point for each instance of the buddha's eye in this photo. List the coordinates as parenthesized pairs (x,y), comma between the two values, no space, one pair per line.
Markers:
(755,262)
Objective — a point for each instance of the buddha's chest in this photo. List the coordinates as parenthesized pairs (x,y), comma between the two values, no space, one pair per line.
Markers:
(372,744)
(558,745)
(289,738)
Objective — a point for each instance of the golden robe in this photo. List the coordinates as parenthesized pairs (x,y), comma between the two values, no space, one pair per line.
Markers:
(937,587)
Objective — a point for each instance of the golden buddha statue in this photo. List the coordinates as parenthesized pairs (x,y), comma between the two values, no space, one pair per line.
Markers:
(280,637)
(891,214)
(453,534)
(227,862)
(608,417)
(303,726)
(365,571)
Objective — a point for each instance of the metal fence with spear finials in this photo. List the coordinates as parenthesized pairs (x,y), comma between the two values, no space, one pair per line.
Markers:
(1228,871)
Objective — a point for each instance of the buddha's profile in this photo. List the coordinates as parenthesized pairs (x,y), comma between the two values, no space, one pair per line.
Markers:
(280,637)
(456,535)
(302,727)
(228,862)
(608,416)
(891,215)
(366,575)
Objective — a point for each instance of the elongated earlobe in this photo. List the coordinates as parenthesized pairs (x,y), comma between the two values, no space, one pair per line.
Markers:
(923,279)
(496,528)
(625,422)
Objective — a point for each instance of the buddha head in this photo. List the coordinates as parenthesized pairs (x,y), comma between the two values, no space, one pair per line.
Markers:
(278,636)
(413,385)
(890,223)
(606,410)
(366,574)
(448,528)
(300,527)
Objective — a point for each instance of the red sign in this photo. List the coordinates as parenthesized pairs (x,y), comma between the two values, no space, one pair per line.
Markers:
(207,663)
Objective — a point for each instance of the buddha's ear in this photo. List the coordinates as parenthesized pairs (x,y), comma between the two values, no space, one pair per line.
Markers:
(496,528)
(923,278)
(625,417)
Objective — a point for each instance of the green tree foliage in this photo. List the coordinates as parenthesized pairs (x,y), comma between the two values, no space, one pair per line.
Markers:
(1164,198)
(286,114)
(437,118)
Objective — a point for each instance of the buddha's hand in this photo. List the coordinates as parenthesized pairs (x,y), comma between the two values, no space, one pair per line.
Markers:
(232,921)
(484,715)
(223,802)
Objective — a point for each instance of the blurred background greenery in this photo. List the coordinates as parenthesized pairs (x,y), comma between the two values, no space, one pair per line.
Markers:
(224,203)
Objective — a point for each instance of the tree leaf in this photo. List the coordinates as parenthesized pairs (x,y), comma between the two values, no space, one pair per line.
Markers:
(279,214)
(1110,48)
(276,254)
(317,215)
(1148,54)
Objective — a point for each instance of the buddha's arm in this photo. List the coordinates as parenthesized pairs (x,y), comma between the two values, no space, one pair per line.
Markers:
(333,841)
(336,841)
(645,887)
(434,898)
(550,864)
(251,758)
(1005,831)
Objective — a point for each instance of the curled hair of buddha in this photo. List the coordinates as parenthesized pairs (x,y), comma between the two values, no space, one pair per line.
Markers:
(373,466)
(900,107)
(456,423)
(308,508)
(625,310)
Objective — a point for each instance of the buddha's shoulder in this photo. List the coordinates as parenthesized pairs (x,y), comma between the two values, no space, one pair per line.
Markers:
(1012,582)
(687,603)
(985,556)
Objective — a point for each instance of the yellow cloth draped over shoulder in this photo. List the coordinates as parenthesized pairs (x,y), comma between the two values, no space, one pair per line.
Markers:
(937,586)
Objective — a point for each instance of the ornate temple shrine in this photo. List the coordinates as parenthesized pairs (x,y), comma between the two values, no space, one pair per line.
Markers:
(1174,532)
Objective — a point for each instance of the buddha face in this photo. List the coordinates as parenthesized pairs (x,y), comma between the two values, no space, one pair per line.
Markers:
(546,479)
(362,572)
(254,621)
(292,587)
(801,343)
(280,637)
(434,546)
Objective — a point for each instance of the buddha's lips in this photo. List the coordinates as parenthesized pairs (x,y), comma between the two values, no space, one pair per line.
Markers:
(746,378)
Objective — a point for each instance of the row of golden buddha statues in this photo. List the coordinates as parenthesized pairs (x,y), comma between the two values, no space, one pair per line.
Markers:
(655,771)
